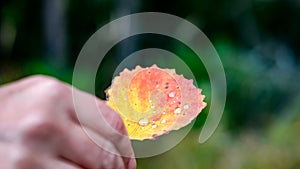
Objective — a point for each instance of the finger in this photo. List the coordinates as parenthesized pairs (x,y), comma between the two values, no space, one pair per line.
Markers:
(17,156)
(59,164)
(103,120)
(81,149)
(5,155)
(25,82)
(123,143)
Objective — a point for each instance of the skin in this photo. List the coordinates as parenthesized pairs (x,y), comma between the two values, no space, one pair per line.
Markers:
(39,129)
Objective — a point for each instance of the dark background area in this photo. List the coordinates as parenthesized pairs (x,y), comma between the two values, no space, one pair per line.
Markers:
(258,42)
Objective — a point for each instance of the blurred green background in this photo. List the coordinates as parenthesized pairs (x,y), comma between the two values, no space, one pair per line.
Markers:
(258,42)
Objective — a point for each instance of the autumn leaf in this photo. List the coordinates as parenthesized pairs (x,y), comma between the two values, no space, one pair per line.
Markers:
(153,101)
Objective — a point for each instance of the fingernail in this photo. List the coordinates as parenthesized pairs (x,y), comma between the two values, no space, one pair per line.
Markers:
(132,163)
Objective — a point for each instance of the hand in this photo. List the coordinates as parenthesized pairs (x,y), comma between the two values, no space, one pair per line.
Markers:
(39,129)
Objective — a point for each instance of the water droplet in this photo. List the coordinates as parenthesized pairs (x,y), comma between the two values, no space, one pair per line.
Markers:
(163,112)
(154,126)
(144,122)
(163,121)
(186,107)
(152,107)
(177,111)
(150,101)
(157,86)
(172,94)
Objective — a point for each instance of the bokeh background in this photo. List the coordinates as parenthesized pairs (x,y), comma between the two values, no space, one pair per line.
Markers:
(258,42)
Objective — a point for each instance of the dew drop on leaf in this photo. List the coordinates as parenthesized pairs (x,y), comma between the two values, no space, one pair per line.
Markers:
(144,122)
(172,94)
(154,126)
(177,111)
(186,107)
